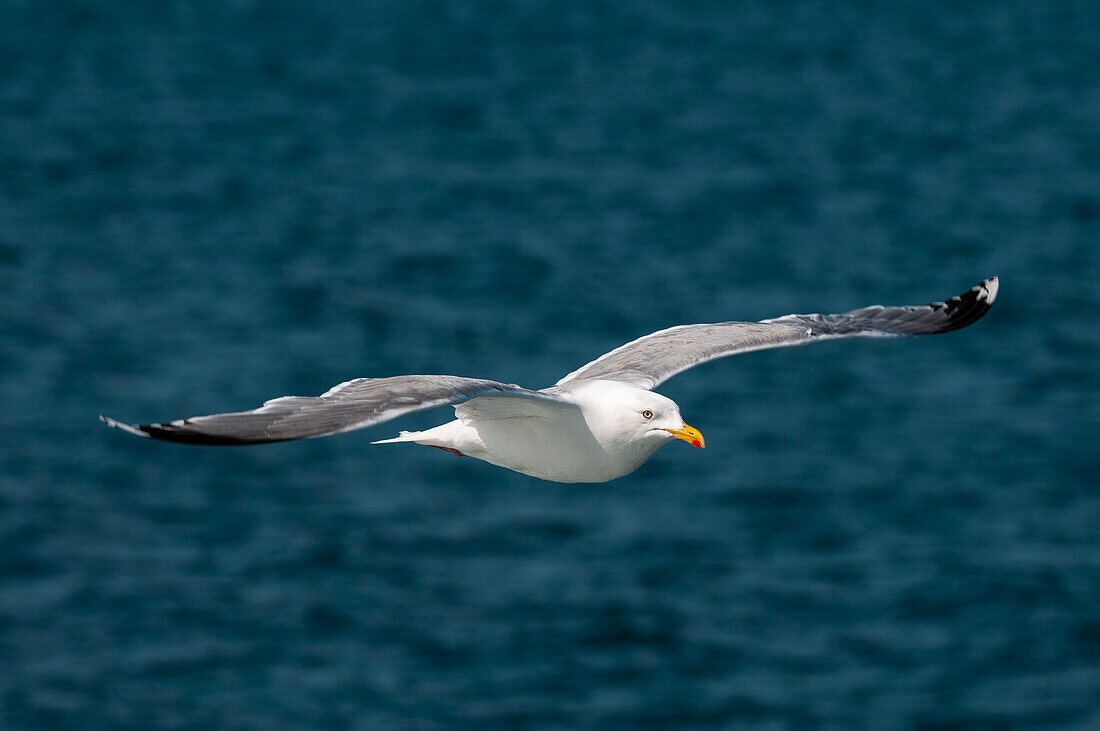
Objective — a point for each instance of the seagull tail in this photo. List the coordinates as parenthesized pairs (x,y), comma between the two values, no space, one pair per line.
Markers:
(405,436)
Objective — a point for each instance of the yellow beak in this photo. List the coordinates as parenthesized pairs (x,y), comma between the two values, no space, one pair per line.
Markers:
(689,434)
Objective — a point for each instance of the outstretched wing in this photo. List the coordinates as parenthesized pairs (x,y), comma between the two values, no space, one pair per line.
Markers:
(351,405)
(654,358)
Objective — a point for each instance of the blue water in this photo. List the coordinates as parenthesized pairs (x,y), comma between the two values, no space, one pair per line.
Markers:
(207,204)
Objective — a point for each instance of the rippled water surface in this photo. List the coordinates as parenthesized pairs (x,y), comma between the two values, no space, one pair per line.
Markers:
(207,204)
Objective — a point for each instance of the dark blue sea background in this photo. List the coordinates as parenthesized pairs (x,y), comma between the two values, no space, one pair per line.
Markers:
(204,205)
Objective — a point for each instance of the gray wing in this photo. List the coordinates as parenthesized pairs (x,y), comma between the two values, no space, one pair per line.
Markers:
(654,358)
(351,405)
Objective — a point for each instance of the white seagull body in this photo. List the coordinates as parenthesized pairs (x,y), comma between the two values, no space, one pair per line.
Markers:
(598,423)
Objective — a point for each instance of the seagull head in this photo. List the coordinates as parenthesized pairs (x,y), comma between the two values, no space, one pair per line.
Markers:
(620,414)
(661,420)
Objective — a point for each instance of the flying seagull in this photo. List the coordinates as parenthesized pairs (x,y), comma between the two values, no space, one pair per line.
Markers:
(598,423)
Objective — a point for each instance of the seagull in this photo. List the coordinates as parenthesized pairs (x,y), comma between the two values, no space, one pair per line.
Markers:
(599,423)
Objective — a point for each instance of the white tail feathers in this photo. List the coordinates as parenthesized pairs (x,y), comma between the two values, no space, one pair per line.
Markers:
(405,436)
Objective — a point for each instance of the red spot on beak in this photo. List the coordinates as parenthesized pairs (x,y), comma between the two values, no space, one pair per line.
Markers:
(689,434)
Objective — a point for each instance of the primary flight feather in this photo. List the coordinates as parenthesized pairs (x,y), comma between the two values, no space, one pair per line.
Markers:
(600,422)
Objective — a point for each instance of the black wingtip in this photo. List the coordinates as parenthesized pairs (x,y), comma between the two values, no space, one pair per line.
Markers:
(172,433)
(179,434)
(131,428)
(968,307)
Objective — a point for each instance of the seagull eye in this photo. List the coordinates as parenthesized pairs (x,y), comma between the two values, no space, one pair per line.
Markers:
(647,414)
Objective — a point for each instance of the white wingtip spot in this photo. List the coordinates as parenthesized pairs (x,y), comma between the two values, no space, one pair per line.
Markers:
(991,286)
(123,426)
